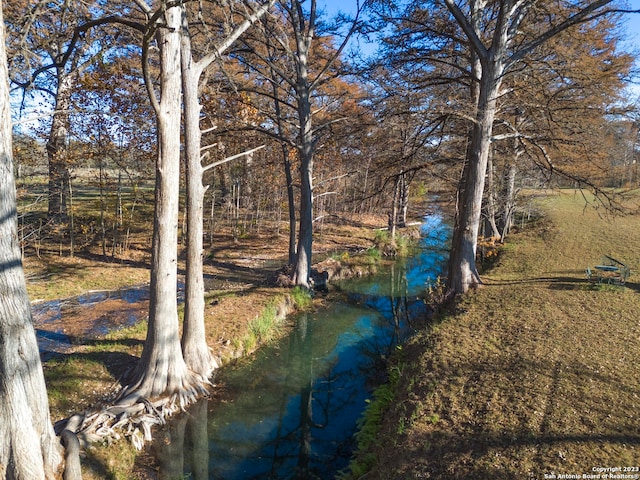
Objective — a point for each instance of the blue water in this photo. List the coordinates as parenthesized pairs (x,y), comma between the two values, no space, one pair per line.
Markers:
(291,412)
(50,318)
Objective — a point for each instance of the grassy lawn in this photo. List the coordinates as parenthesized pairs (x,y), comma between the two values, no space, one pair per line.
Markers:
(537,373)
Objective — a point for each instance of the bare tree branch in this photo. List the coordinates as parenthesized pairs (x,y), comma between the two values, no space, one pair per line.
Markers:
(233,157)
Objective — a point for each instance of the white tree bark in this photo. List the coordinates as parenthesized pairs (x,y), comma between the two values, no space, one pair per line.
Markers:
(194,343)
(294,41)
(488,70)
(57,151)
(306,141)
(509,196)
(494,61)
(491,199)
(162,370)
(463,273)
(29,449)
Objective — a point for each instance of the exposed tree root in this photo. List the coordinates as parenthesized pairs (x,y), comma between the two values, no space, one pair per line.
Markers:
(132,416)
(201,361)
(72,470)
(186,386)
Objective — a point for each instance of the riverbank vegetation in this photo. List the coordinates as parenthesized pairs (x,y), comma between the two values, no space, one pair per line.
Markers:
(245,309)
(534,373)
(134,107)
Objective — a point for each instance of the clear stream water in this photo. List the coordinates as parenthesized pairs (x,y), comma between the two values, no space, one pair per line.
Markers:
(291,412)
(97,313)
(90,316)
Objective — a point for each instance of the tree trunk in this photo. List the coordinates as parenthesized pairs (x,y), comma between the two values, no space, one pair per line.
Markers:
(29,449)
(287,173)
(194,342)
(393,215)
(509,178)
(307,147)
(491,198)
(404,199)
(463,273)
(57,149)
(305,235)
(291,205)
(502,52)
(162,370)
(509,197)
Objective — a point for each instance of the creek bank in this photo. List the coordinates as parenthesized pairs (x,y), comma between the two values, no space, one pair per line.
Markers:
(82,378)
(515,381)
(304,392)
(324,273)
(103,422)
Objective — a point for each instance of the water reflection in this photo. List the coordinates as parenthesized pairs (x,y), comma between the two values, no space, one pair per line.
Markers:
(60,324)
(291,412)
(188,436)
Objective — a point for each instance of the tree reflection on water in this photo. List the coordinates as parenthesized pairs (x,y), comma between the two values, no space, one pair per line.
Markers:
(291,411)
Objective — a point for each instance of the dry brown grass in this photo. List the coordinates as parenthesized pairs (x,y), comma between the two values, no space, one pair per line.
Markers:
(536,373)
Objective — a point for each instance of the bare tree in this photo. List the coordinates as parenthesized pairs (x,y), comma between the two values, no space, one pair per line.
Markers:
(492,31)
(162,370)
(491,34)
(194,342)
(295,65)
(28,446)
(43,62)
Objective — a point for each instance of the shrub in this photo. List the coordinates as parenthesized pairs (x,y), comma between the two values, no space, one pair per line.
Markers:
(301,298)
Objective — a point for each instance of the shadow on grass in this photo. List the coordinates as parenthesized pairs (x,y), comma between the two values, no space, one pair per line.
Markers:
(110,260)
(232,272)
(555,282)
(561,282)
(117,363)
(468,457)
(478,445)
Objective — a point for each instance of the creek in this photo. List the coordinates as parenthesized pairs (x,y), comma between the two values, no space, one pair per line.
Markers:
(60,324)
(291,411)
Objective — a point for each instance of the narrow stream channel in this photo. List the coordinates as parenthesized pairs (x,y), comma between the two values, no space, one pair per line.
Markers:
(90,316)
(291,412)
